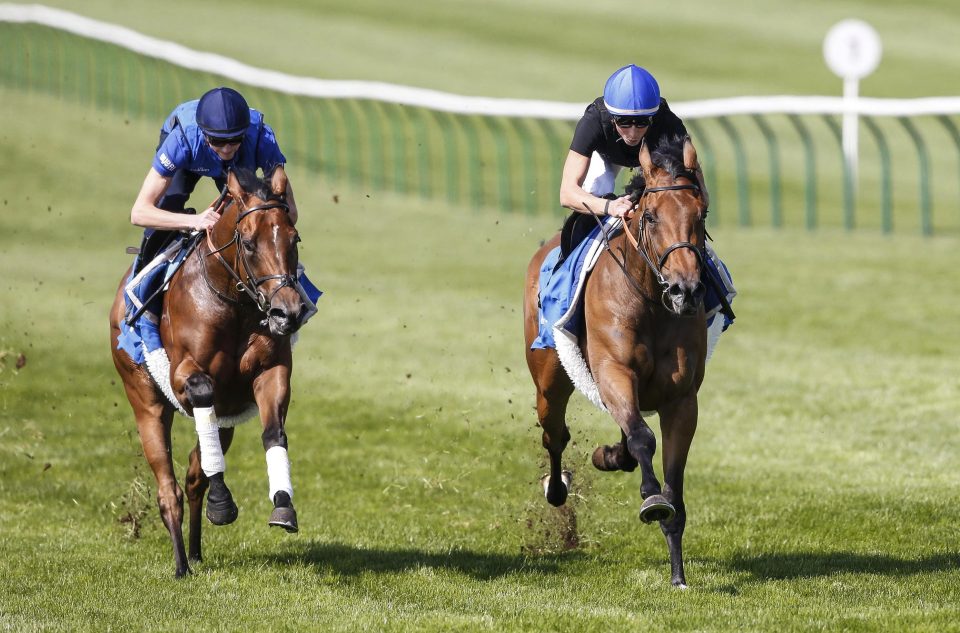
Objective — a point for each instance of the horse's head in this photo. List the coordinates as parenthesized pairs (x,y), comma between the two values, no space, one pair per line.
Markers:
(267,247)
(670,221)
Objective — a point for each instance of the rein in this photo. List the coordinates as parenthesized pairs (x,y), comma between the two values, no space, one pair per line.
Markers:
(250,285)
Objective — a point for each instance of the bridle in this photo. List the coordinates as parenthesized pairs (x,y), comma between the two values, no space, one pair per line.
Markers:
(640,245)
(251,284)
(640,242)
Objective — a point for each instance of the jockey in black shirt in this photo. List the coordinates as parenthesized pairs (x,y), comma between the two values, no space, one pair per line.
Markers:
(608,139)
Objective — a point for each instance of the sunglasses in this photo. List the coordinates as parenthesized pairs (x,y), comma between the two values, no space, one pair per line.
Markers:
(221,142)
(633,121)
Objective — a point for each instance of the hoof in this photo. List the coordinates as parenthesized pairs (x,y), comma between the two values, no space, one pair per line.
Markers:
(656,508)
(285,518)
(181,573)
(610,458)
(222,511)
(557,495)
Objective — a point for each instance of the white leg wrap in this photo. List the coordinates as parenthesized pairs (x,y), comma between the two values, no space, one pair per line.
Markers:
(208,432)
(278,471)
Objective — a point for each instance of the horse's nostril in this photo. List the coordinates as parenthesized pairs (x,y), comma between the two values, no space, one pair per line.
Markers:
(278,313)
(675,290)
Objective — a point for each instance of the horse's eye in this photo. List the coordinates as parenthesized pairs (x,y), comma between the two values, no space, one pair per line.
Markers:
(648,217)
(248,245)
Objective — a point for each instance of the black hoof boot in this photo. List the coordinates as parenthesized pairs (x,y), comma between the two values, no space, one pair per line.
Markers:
(221,510)
(283,514)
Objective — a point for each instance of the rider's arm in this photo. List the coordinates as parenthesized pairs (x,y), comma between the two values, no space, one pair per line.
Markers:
(145,212)
(575,197)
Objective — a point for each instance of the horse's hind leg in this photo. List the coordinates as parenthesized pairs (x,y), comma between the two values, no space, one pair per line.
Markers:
(196,485)
(154,423)
(553,393)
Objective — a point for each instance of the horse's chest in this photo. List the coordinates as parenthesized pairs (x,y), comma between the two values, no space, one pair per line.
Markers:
(667,372)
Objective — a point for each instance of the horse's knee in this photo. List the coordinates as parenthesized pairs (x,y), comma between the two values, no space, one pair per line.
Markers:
(199,388)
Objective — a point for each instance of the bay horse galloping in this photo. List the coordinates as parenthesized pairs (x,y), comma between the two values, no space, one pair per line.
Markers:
(644,341)
(226,325)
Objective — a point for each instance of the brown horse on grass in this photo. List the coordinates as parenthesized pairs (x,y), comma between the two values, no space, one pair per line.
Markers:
(644,341)
(226,325)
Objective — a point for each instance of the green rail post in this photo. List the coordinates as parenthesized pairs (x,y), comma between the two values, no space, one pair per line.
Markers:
(776,213)
(948,123)
(423,124)
(741,160)
(810,161)
(848,197)
(926,211)
(450,131)
(504,162)
(886,178)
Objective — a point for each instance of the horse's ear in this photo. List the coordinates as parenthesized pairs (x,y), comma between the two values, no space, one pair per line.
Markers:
(690,162)
(278,181)
(233,186)
(646,164)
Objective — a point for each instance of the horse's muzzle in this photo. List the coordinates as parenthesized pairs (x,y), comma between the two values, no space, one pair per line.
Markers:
(285,312)
(684,298)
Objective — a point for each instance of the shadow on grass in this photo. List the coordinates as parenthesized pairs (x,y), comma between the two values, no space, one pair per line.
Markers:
(352,561)
(814,564)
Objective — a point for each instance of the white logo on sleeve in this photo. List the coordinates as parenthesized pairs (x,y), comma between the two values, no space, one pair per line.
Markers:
(166,162)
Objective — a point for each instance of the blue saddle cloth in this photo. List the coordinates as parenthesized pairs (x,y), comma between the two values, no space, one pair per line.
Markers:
(561,287)
(143,335)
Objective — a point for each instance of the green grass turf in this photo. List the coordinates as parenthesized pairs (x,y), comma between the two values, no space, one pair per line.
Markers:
(821,489)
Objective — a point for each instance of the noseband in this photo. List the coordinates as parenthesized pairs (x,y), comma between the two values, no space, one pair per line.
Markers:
(250,285)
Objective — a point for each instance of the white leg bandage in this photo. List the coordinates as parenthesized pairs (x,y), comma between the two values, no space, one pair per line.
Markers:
(208,432)
(278,471)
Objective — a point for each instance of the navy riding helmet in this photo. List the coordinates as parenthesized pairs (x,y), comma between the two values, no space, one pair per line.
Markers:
(223,113)
(631,91)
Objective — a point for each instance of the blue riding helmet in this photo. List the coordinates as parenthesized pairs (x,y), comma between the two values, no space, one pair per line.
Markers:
(631,91)
(223,113)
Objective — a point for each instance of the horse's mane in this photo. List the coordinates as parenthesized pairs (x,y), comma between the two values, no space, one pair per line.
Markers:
(254,185)
(667,155)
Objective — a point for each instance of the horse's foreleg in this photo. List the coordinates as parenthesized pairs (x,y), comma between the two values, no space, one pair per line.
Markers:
(678,424)
(196,487)
(198,386)
(153,424)
(272,392)
(618,389)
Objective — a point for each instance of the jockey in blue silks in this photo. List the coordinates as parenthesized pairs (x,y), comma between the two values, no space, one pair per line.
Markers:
(607,139)
(203,137)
